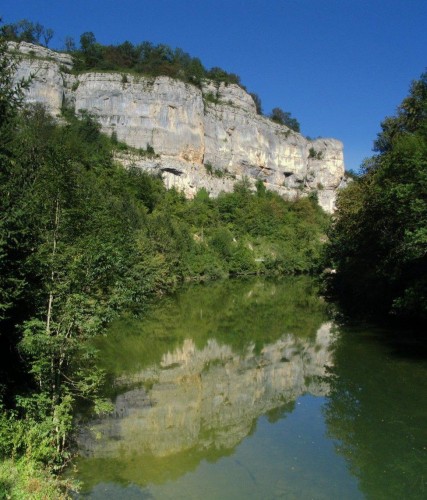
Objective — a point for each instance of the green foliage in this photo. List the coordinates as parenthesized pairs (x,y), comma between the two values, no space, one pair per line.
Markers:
(77,258)
(90,51)
(260,188)
(379,240)
(144,58)
(69,44)
(257,102)
(25,479)
(221,241)
(219,75)
(216,172)
(285,118)
(252,233)
(211,97)
(316,155)
(150,150)
(352,174)
(411,117)
(11,224)
(11,94)
(114,139)
(26,31)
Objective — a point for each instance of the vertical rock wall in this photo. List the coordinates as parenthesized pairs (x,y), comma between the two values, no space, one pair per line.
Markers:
(189,128)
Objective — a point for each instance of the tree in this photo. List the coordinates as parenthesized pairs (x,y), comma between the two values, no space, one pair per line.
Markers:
(257,102)
(11,98)
(219,75)
(72,262)
(47,36)
(70,44)
(91,51)
(87,41)
(379,240)
(411,117)
(26,31)
(285,118)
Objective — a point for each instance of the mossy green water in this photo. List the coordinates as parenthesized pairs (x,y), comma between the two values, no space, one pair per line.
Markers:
(234,312)
(246,389)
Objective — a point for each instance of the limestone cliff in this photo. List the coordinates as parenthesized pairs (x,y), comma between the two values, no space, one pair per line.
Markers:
(190,128)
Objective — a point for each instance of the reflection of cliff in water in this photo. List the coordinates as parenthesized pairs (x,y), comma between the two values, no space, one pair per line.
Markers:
(207,400)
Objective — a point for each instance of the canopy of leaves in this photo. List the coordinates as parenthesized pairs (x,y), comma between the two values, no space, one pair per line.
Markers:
(144,58)
(27,31)
(285,118)
(379,240)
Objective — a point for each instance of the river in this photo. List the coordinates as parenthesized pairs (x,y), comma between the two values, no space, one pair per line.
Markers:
(248,389)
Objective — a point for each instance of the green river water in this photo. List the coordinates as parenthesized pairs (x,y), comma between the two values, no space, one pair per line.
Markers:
(247,389)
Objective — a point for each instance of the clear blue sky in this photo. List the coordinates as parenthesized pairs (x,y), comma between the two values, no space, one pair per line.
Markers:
(339,66)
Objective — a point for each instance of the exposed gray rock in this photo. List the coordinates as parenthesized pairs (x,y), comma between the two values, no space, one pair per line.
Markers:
(189,127)
(36,51)
(46,73)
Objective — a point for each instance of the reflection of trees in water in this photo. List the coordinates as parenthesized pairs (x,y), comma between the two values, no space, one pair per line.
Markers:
(377,410)
(237,313)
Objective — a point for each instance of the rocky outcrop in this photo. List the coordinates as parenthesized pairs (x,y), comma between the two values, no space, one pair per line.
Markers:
(207,398)
(205,137)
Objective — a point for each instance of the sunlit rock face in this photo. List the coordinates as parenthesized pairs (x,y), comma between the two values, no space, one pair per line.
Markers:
(167,114)
(207,398)
(46,69)
(190,127)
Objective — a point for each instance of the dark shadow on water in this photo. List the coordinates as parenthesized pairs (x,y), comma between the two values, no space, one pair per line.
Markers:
(377,407)
(402,339)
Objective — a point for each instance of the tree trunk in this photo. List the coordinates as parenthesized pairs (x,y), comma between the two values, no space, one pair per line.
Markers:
(52,277)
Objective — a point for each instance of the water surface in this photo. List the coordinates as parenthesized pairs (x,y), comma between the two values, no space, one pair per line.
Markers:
(247,389)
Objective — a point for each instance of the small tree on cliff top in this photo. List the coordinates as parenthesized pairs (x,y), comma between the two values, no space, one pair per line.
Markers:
(285,118)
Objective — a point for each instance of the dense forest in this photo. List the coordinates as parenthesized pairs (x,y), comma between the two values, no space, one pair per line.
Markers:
(83,239)
(379,239)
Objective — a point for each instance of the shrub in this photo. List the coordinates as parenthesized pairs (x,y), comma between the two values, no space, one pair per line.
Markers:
(210,97)
(316,155)
(285,118)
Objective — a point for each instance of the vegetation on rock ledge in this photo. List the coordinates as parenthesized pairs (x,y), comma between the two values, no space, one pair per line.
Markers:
(143,58)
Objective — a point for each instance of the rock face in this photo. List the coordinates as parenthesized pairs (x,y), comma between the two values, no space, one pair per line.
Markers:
(204,137)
